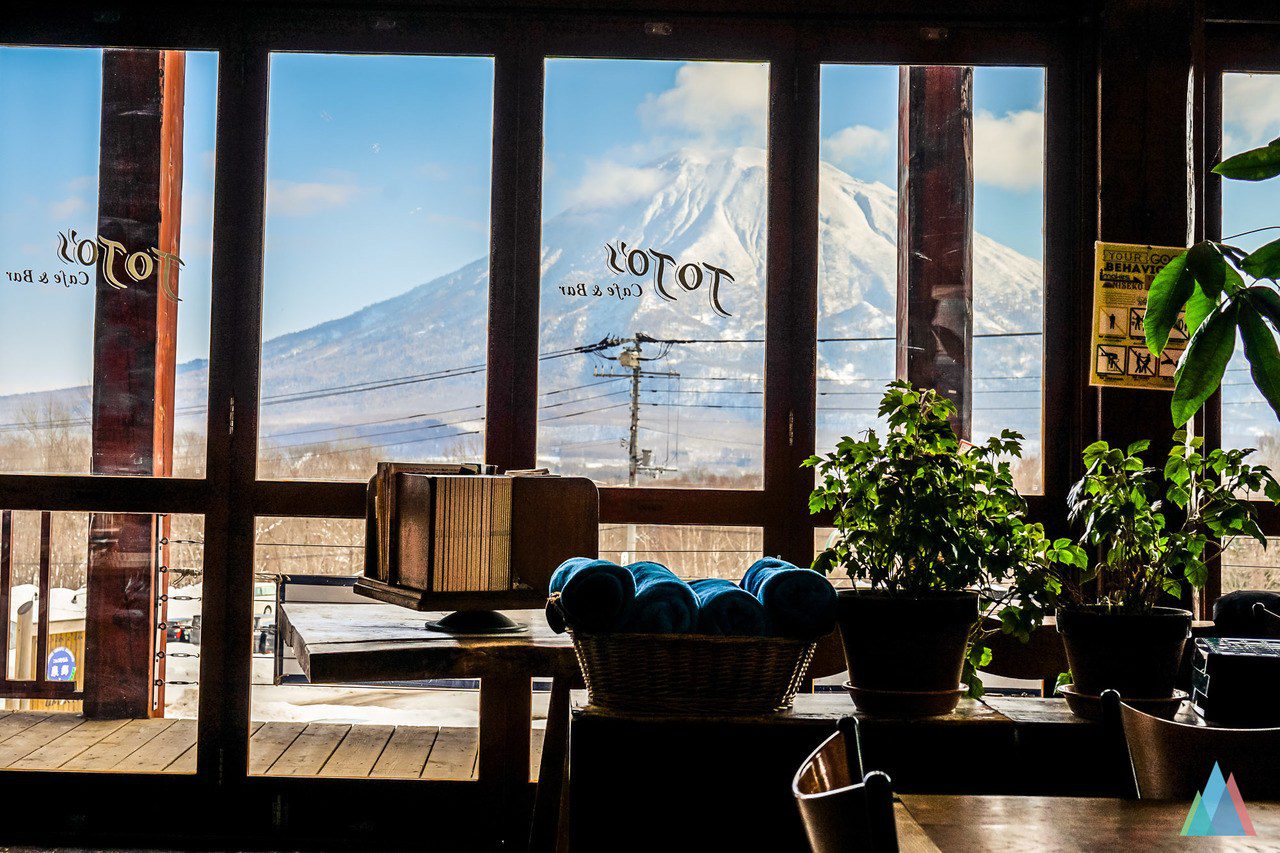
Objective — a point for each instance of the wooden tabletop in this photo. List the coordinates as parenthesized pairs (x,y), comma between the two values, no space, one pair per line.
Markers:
(337,643)
(928,822)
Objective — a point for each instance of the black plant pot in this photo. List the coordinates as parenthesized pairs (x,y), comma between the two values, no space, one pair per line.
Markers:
(905,653)
(1136,654)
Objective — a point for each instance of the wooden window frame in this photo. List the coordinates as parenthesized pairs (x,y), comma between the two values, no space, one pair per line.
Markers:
(231,497)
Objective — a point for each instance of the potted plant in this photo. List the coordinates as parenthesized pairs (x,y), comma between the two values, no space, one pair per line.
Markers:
(935,537)
(1154,532)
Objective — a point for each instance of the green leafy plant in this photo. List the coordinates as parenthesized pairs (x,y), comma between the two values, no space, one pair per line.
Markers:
(1207,284)
(920,511)
(1156,530)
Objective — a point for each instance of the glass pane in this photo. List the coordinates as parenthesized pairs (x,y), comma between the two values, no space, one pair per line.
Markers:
(689,551)
(83,548)
(1247,565)
(405,730)
(101,248)
(653,279)
(858,253)
(1008,261)
(858,246)
(377,262)
(1250,119)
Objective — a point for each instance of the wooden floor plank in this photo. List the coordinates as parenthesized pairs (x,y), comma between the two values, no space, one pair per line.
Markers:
(19,721)
(68,745)
(186,763)
(358,752)
(26,742)
(406,753)
(162,750)
(536,737)
(118,745)
(269,743)
(309,750)
(454,754)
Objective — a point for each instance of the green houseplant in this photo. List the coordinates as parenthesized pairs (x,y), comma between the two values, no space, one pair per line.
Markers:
(1207,285)
(935,536)
(1154,532)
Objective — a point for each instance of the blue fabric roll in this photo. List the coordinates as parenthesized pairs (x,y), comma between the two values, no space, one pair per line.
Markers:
(799,602)
(664,604)
(595,595)
(727,609)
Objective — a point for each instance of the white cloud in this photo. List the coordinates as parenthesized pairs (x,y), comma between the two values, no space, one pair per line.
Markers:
(67,207)
(857,143)
(714,97)
(1008,150)
(1250,109)
(609,184)
(303,198)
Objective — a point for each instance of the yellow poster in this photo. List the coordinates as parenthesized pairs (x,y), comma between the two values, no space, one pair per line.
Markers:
(1123,273)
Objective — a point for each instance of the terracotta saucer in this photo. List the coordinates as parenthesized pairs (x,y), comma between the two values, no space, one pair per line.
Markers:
(1090,707)
(905,703)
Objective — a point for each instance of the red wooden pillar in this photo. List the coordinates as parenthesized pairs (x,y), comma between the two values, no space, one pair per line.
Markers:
(935,232)
(135,327)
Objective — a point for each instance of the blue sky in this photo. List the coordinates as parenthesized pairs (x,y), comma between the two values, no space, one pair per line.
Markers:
(378,174)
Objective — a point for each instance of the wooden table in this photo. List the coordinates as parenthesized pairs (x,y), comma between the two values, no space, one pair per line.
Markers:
(929,823)
(346,643)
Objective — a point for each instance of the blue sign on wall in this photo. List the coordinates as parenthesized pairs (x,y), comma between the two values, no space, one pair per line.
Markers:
(62,665)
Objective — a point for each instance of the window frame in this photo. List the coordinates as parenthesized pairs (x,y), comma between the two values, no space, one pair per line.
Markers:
(231,497)
(1229,47)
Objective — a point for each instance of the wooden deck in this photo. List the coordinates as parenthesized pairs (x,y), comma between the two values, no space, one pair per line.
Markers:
(61,741)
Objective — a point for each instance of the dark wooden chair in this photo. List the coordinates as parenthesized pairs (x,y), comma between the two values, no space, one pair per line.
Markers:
(1172,760)
(841,815)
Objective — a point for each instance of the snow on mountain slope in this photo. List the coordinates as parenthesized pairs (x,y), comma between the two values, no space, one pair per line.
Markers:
(707,207)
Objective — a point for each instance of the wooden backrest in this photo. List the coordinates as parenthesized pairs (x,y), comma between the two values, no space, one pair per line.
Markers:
(1172,760)
(1041,658)
(839,814)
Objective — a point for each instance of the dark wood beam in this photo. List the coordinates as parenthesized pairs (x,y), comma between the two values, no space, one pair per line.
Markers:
(1148,70)
(135,329)
(935,232)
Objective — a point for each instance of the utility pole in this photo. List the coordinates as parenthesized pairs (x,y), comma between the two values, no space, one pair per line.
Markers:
(632,359)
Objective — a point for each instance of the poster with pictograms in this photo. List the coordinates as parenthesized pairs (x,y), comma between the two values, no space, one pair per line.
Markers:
(1123,273)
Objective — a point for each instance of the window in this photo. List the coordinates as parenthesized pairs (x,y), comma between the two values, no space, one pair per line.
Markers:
(653,245)
(87,279)
(1247,420)
(690,551)
(1000,225)
(377,263)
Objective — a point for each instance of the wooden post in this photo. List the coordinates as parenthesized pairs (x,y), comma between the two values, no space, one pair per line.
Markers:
(1147,75)
(935,232)
(135,327)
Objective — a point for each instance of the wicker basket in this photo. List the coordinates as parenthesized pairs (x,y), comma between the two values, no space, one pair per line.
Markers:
(691,673)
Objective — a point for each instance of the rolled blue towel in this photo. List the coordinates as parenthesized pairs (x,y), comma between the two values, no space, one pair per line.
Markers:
(799,602)
(664,604)
(595,595)
(727,609)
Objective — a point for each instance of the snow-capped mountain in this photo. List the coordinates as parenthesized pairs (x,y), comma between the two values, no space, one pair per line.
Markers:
(698,212)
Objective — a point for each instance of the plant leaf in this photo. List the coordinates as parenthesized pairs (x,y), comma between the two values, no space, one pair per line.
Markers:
(1199,306)
(1264,358)
(1206,263)
(1170,290)
(1267,301)
(1257,164)
(1264,262)
(1200,371)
